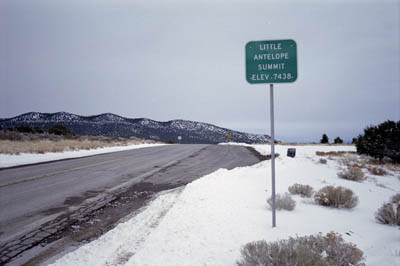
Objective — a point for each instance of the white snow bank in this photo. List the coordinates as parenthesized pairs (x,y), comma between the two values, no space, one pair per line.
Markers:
(216,215)
(7,160)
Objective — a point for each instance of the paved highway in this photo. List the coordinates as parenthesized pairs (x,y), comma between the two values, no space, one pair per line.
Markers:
(37,201)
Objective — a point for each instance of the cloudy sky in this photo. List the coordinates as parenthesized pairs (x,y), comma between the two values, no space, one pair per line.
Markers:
(185,59)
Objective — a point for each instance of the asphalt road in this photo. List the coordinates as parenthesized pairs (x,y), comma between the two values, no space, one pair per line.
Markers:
(33,198)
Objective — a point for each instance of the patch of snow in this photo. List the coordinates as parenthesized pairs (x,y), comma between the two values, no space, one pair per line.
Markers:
(7,160)
(214,216)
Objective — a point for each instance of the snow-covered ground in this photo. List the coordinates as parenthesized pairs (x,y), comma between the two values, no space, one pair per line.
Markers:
(8,160)
(208,221)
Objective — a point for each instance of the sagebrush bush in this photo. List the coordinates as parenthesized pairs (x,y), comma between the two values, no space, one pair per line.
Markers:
(337,197)
(395,199)
(352,173)
(389,213)
(329,250)
(283,202)
(302,190)
(377,171)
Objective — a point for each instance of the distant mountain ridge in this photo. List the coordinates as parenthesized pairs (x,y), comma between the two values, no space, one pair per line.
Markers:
(117,126)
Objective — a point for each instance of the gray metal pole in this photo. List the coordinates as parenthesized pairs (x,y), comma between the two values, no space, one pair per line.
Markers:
(271,97)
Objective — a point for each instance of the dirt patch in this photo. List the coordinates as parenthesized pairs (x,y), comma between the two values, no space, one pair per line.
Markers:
(259,155)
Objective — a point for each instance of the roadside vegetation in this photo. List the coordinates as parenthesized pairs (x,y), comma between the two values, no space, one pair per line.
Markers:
(302,190)
(389,213)
(356,166)
(328,250)
(352,173)
(283,202)
(336,197)
(24,139)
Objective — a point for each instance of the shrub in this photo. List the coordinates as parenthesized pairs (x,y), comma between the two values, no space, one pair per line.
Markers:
(283,201)
(337,197)
(352,173)
(377,171)
(395,199)
(329,250)
(324,139)
(302,190)
(381,141)
(389,213)
(323,161)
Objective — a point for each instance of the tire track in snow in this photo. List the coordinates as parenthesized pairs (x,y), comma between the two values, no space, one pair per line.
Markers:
(130,246)
(117,246)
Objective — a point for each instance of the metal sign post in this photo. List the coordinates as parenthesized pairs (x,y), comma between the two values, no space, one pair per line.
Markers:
(273,61)
(271,99)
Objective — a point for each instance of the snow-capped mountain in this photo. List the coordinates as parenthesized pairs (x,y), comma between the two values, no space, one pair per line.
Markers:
(117,126)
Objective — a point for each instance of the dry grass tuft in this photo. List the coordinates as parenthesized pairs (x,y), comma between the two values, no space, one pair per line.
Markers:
(377,171)
(333,153)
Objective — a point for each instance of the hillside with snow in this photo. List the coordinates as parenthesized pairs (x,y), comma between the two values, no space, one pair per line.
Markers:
(117,126)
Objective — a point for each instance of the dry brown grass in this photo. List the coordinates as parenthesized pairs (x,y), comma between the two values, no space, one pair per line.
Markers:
(312,144)
(377,171)
(333,153)
(46,145)
(374,166)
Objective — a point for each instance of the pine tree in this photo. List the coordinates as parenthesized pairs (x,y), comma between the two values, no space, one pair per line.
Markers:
(324,139)
(59,129)
(338,140)
(381,141)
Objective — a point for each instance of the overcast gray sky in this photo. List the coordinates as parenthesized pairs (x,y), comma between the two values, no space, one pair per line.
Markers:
(185,59)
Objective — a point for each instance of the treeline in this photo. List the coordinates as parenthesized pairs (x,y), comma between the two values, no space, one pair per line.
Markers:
(381,142)
(57,129)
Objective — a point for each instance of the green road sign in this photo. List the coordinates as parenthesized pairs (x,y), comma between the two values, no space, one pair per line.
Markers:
(271,61)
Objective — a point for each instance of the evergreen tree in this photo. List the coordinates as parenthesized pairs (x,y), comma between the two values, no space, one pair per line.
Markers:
(38,130)
(381,141)
(324,139)
(59,129)
(24,129)
(338,140)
